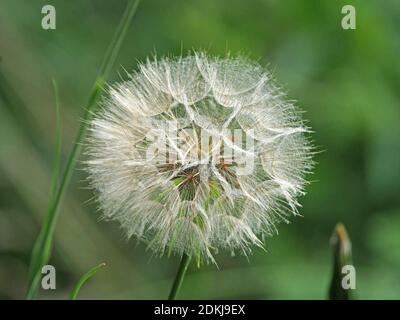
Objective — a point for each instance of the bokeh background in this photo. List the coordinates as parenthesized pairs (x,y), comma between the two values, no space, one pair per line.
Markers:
(347,81)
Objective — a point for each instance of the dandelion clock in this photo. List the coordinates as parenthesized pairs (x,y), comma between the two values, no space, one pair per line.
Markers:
(197,154)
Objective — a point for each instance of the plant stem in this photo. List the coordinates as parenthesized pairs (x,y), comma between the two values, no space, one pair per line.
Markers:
(43,245)
(179,277)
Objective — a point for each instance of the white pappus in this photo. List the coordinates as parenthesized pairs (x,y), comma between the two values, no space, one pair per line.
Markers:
(194,154)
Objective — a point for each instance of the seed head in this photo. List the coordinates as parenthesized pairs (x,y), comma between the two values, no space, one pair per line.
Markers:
(195,154)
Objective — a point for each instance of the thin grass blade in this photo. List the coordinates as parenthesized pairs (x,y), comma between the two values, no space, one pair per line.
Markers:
(41,250)
(57,149)
(83,279)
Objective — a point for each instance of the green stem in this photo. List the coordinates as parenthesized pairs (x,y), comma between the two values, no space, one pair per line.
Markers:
(42,248)
(179,276)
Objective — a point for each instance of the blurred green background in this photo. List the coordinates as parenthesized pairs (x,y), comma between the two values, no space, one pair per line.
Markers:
(347,81)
